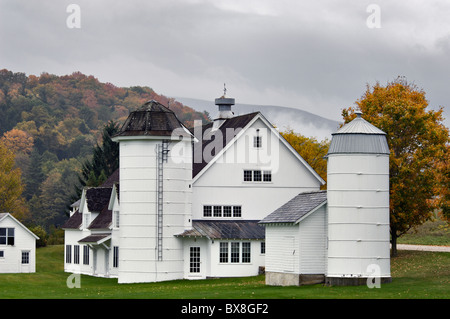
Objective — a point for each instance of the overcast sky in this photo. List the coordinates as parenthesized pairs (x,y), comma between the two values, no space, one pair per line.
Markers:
(313,55)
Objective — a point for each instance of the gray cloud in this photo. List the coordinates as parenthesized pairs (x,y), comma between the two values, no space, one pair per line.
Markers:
(314,55)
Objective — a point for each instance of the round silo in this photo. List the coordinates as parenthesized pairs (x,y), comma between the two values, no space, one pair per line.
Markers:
(155,194)
(358,205)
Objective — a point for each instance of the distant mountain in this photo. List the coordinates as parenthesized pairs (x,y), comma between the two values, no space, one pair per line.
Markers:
(303,122)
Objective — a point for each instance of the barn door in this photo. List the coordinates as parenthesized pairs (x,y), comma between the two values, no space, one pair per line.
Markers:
(289,253)
(194,260)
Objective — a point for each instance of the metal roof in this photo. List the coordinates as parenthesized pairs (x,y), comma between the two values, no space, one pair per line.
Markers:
(225,229)
(359,136)
(296,208)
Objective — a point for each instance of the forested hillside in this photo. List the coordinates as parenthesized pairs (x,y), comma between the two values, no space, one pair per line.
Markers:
(52,123)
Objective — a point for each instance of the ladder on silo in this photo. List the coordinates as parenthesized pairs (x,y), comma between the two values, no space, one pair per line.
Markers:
(162,150)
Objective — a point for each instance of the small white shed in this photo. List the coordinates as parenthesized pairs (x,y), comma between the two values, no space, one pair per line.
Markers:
(296,239)
(17,246)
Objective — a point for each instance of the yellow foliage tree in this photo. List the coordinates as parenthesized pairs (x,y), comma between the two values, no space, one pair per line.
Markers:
(11,187)
(312,151)
(418,143)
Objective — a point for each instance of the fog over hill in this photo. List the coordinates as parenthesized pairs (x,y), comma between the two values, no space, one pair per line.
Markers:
(305,123)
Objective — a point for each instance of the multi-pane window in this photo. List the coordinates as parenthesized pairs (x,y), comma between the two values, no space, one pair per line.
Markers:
(246,252)
(207,211)
(263,247)
(194,264)
(76,254)
(257,141)
(217,211)
(267,176)
(115,257)
(222,211)
(248,176)
(227,211)
(85,255)
(235,252)
(223,258)
(257,176)
(25,257)
(237,211)
(7,236)
(68,254)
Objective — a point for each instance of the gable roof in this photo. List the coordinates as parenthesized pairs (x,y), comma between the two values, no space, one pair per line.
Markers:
(238,125)
(74,222)
(206,136)
(6,215)
(297,208)
(225,229)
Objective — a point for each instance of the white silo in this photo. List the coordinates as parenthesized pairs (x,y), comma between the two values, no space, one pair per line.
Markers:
(358,205)
(155,194)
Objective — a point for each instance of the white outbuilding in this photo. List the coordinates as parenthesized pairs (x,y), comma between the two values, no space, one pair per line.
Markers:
(17,246)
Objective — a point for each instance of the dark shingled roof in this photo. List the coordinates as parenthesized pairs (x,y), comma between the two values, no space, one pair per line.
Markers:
(103,220)
(205,137)
(151,119)
(74,222)
(97,198)
(93,238)
(296,208)
(225,229)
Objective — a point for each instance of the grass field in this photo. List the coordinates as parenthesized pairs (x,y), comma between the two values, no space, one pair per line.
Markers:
(416,275)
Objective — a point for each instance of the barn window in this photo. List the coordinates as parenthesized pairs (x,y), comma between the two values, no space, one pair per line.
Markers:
(25,257)
(68,254)
(235,252)
(207,211)
(246,252)
(76,254)
(226,211)
(217,211)
(7,236)
(116,257)
(263,247)
(223,258)
(237,211)
(247,176)
(85,255)
(257,141)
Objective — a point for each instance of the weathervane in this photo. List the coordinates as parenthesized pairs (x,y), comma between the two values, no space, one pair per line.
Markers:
(224,90)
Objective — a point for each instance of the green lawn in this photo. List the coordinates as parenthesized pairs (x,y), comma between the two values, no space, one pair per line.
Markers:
(415,275)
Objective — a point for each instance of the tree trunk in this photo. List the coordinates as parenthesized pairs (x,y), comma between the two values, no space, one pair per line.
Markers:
(393,242)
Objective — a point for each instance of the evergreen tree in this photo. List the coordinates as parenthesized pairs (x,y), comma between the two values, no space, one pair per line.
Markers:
(105,159)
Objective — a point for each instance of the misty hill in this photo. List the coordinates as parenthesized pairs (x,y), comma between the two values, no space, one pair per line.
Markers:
(303,122)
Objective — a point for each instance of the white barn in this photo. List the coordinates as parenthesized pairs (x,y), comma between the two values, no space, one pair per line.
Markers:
(17,246)
(186,203)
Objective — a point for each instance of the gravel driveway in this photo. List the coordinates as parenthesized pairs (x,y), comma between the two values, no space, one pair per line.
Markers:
(423,247)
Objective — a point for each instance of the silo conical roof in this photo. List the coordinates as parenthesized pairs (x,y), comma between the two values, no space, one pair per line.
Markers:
(151,119)
(359,136)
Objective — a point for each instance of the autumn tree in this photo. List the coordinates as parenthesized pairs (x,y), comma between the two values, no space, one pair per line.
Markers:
(418,143)
(11,188)
(311,150)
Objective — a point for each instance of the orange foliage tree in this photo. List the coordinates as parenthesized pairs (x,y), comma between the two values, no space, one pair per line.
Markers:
(418,143)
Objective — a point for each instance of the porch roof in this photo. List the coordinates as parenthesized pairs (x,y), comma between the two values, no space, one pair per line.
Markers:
(95,239)
(225,229)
